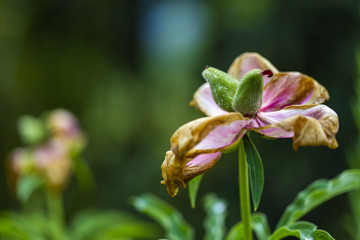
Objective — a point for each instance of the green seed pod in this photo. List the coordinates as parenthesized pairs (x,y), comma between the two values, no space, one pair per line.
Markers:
(223,87)
(249,94)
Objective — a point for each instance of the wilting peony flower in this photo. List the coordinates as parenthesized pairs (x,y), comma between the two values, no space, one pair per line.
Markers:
(51,160)
(289,107)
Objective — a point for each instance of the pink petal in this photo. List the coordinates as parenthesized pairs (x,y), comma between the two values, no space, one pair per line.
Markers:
(308,125)
(208,134)
(200,164)
(204,101)
(248,61)
(292,88)
(203,159)
(223,136)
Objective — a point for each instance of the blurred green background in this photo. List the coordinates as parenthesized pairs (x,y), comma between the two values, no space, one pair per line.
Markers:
(128,69)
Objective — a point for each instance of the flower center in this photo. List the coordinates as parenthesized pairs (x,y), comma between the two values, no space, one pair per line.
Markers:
(248,97)
(244,96)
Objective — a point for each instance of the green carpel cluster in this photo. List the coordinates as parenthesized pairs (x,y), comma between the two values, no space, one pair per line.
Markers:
(244,96)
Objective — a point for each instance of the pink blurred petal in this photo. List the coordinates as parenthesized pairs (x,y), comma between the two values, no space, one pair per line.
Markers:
(52,160)
(204,101)
(19,160)
(292,88)
(63,123)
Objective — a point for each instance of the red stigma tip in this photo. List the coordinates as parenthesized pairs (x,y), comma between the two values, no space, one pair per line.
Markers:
(269,73)
(206,67)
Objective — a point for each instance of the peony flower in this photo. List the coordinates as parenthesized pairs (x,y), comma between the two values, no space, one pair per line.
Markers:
(52,159)
(289,107)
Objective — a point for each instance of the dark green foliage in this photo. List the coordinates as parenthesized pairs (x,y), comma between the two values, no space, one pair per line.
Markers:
(256,171)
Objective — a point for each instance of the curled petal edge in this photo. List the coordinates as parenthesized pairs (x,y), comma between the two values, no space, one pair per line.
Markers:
(305,130)
(174,175)
(195,149)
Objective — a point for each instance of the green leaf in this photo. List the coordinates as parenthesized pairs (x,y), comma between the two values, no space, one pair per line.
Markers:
(193,189)
(256,170)
(166,215)
(215,219)
(32,130)
(319,192)
(22,226)
(128,230)
(322,235)
(259,224)
(101,225)
(236,232)
(27,185)
(302,230)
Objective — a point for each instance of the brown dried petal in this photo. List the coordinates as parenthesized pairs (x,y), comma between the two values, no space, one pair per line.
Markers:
(309,125)
(175,175)
(198,137)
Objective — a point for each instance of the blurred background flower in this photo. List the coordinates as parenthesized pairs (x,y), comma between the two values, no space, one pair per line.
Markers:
(50,159)
(128,69)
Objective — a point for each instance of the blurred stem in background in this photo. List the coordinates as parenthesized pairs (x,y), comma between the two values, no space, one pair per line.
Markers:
(56,215)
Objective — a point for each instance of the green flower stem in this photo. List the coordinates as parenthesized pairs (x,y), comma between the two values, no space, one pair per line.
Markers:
(56,215)
(244,193)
